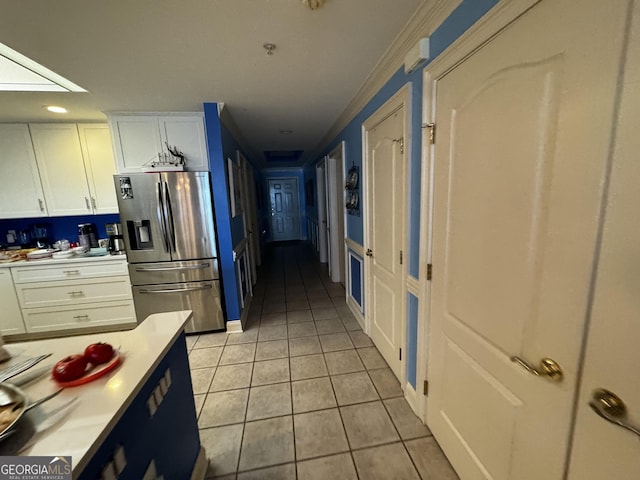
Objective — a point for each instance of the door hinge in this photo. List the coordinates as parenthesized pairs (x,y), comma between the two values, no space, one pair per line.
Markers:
(432,132)
(425,388)
(429,271)
(400,354)
(400,257)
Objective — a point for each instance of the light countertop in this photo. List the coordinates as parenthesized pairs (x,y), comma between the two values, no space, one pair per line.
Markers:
(62,261)
(100,403)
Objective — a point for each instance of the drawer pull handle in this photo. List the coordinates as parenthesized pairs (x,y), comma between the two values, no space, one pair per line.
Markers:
(71,272)
(178,290)
(81,317)
(74,293)
(170,269)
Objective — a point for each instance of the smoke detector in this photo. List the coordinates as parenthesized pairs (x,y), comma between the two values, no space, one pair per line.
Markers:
(313,4)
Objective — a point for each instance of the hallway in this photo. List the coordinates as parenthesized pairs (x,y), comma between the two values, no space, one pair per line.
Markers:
(303,393)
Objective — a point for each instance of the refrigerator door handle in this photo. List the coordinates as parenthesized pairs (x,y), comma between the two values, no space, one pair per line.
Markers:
(170,269)
(169,217)
(161,216)
(178,290)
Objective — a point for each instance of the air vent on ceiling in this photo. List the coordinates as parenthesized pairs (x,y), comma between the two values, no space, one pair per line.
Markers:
(282,155)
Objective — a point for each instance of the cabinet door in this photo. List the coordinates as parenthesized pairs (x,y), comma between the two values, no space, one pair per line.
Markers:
(11,322)
(136,141)
(21,193)
(99,165)
(186,133)
(59,158)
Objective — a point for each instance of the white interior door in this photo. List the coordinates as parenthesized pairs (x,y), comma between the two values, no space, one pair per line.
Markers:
(385,211)
(520,157)
(285,209)
(335,207)
(600,448)
(250,215)
(322,211)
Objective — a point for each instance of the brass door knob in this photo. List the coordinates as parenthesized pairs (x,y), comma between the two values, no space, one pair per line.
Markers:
(611,407)
(369,252)
(548,368)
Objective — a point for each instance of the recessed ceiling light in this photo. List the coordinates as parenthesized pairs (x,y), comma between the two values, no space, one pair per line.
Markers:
(55,109)
(286,132)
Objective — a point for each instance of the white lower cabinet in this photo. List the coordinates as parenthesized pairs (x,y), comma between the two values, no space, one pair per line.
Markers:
(50,319)
(74,296)
(11,323)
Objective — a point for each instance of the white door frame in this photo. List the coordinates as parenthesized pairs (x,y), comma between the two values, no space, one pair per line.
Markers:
(482,31)
(337,217)
(400,98)
(249,213)
(322,214)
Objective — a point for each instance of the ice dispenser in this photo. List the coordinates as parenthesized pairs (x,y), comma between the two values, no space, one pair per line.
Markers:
(140,234)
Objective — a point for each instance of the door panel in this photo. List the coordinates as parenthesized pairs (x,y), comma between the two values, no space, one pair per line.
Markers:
(601,449)
(385,213)
(285,209)
(519,161)
(497,235)
(140,214)
(191,209)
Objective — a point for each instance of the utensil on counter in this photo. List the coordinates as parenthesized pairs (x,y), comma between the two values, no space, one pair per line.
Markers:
(50,420)
(14,370)
(13,405)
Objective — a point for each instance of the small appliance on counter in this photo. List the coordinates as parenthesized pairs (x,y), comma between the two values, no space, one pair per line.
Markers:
(40,235)
(115,245)
(88,235)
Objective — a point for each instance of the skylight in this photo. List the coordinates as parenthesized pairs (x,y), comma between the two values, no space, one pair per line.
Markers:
(21,74)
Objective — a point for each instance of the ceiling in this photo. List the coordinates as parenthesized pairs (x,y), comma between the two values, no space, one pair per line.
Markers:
(173,55)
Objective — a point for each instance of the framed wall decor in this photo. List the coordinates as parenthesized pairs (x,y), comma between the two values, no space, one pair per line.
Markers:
(352,194)
(235,186)
(351,182)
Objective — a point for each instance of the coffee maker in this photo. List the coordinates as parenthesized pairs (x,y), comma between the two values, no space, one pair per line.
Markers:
(115,246)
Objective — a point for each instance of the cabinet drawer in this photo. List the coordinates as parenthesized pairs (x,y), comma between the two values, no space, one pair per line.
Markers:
(80,316)
(44,294)
(68,271)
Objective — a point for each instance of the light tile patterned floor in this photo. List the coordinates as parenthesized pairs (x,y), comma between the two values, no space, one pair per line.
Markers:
(303,393)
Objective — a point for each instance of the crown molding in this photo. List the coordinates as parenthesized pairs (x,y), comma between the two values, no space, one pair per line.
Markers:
(427,18)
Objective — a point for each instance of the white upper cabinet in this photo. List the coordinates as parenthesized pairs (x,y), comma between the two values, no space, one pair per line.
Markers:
(139,139)
(68,179)
(21,194)
(100,166)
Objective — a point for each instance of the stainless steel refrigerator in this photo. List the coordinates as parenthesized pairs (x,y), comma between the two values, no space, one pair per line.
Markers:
(170,239)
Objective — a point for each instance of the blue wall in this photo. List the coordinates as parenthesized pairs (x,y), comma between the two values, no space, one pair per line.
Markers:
(58,227)
(467,13)
(229,148)
(218,166)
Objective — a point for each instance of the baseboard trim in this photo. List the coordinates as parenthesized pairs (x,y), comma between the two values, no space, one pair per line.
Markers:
(234,326)
(355,310)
